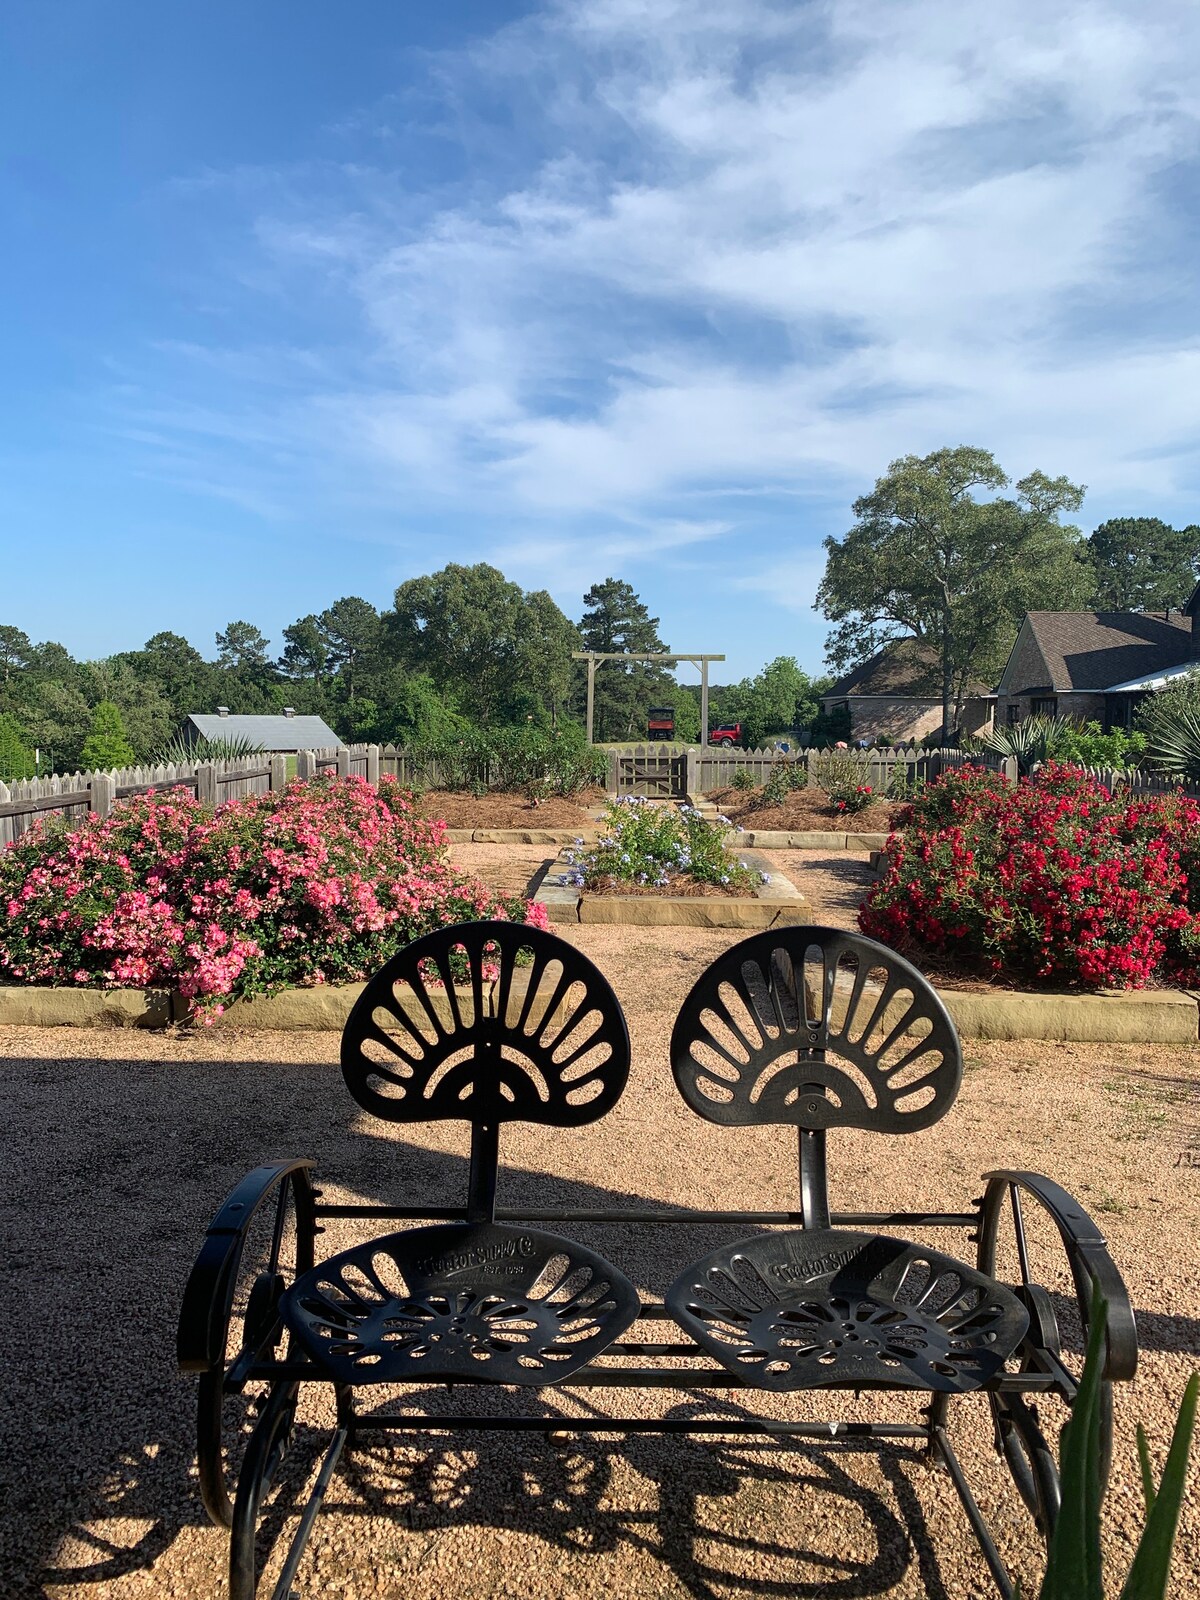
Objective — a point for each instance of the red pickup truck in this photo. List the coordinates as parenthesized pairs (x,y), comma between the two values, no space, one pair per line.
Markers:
(727,733)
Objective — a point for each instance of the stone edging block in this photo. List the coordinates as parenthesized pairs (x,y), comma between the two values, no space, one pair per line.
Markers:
(36,1007)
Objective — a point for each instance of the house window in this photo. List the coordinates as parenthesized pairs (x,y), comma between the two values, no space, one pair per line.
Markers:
(1045,706)
(1012,713)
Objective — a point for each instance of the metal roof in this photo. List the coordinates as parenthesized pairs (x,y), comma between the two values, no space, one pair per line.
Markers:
(1157,680)
(271,733)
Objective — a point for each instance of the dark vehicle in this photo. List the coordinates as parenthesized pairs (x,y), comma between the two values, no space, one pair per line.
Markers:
(728,733)
(660,722)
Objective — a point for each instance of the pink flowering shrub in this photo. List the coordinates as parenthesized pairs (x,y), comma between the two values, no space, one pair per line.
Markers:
(317,884)
(1055,878)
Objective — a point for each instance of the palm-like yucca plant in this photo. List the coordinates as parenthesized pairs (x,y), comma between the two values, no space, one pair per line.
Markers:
(1036,739)
(1173,744)
(227,748)
(1074,1570)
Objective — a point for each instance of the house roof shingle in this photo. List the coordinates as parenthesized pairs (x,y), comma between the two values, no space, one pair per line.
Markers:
(1097,649)
(907,669)
(270,733)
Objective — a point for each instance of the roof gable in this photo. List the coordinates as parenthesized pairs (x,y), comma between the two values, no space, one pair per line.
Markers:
(907,669)
(1094,649)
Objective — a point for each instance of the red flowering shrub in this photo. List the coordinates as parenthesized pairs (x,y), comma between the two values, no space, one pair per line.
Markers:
(317,884)
(1054,878)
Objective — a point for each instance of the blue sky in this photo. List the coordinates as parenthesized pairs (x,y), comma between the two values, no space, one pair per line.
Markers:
(302,300)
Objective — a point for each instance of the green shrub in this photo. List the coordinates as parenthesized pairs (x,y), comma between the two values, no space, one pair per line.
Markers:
(16,758)
(839,775)
(1028,743)
(177,751)
(743,780)
(525,760)
(645,843)
(1088,744)
(107,745)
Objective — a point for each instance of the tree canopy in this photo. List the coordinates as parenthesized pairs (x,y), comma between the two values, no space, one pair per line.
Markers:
(938,553)
(1142,564)
(615,619)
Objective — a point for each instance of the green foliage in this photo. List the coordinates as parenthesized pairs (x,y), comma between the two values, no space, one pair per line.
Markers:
(525,760)
(242,647)
(15,650)
(840,776)
(786,777)
(1028,742)
(179,750)
(1088,744)
(1142,564)
(743,780)
(615,619)
(648,844)
(1170,723)
(829,727)
(1074,1570)
(106,745)
(16,756)
(927,559)
(779,699)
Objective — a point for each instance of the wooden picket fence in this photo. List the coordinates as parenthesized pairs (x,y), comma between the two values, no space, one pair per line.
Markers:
(640,769)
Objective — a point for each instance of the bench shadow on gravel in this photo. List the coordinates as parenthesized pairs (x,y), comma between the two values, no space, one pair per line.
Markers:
(102,1434)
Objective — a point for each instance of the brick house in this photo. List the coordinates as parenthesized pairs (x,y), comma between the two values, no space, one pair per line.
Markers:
(897,696)
(1096,665)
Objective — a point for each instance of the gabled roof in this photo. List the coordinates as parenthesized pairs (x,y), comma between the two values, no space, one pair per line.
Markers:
(907,670)
(1099,649)
(271,733)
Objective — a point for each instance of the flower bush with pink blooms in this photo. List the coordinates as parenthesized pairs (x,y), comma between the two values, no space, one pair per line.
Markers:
(1055,878)
(319,883)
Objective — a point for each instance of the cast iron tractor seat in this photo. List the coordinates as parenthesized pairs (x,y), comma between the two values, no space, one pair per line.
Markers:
(789,1027)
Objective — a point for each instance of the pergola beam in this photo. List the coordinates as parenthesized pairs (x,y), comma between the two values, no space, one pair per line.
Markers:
(695,657)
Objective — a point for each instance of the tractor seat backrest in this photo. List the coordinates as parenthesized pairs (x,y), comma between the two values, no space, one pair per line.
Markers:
(487,1022)
(817,1028)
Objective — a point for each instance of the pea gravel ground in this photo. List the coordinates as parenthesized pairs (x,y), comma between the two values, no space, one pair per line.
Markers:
(118,1146)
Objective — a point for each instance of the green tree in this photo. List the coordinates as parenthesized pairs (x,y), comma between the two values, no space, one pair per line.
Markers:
(617,620)
(145,713)
(16,756)
(548,637)
(177,670)
(305,655)
(106,745)
(15,650)
(780,699)
(927,559)
(243,648)
(1142,564)
(351,633)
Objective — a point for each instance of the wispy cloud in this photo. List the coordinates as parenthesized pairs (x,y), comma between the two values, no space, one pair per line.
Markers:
(689,252)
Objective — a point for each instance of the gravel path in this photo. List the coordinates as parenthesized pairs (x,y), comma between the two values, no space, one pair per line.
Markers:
(120,1145)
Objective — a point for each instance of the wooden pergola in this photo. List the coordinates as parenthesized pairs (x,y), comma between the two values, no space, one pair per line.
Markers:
(593,656)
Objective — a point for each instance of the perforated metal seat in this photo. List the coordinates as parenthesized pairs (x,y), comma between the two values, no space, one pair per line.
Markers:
(484,1303)
(817,1028)
(831,1308)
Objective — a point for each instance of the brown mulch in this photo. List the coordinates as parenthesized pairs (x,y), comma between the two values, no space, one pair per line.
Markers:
(804,811)
(460,810)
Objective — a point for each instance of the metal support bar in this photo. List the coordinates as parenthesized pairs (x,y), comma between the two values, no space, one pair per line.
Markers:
(283,1588)
(835,1432)
(839,1219)
(987,1545)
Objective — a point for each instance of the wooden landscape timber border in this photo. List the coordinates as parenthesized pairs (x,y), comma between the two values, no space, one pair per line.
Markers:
(775,903)
(1165,1016)
(751,839)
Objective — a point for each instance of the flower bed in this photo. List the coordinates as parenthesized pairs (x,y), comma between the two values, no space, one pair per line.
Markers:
(317,884)
(646,848)
(1056,879)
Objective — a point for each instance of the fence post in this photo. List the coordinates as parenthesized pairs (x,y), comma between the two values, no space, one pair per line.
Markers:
(278,769)
(373,765)
(343,761)
(306,764)
(691,780)
(614,769)
(206,784)
(102,793)
(1010,768)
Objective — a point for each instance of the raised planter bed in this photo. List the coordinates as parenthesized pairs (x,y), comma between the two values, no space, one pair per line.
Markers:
(777,901)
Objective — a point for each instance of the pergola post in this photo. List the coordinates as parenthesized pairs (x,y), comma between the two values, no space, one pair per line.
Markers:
(591,695)
(704,702)
(593,656)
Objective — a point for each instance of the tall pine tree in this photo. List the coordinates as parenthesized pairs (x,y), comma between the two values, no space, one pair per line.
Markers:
(107,745)
(616,620)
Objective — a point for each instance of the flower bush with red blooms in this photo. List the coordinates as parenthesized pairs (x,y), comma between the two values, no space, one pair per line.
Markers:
(317,884)
(1056,878)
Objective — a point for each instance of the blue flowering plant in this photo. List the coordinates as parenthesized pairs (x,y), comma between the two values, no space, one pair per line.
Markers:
(652,846)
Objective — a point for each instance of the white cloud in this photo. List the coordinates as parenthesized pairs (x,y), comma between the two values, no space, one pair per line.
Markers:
(759,248)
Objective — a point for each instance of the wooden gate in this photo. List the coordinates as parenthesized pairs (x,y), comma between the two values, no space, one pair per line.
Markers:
(655,773)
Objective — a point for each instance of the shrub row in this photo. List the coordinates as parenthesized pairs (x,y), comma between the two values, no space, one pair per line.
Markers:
(1054,878)
(532,761)
(319,883)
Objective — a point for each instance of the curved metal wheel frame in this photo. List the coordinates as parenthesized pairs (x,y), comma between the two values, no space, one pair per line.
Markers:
(1031,1462)
(268,1445)
(208,1328)
(1089,1261)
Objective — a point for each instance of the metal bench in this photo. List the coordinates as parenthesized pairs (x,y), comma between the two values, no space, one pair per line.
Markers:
(806,1027)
